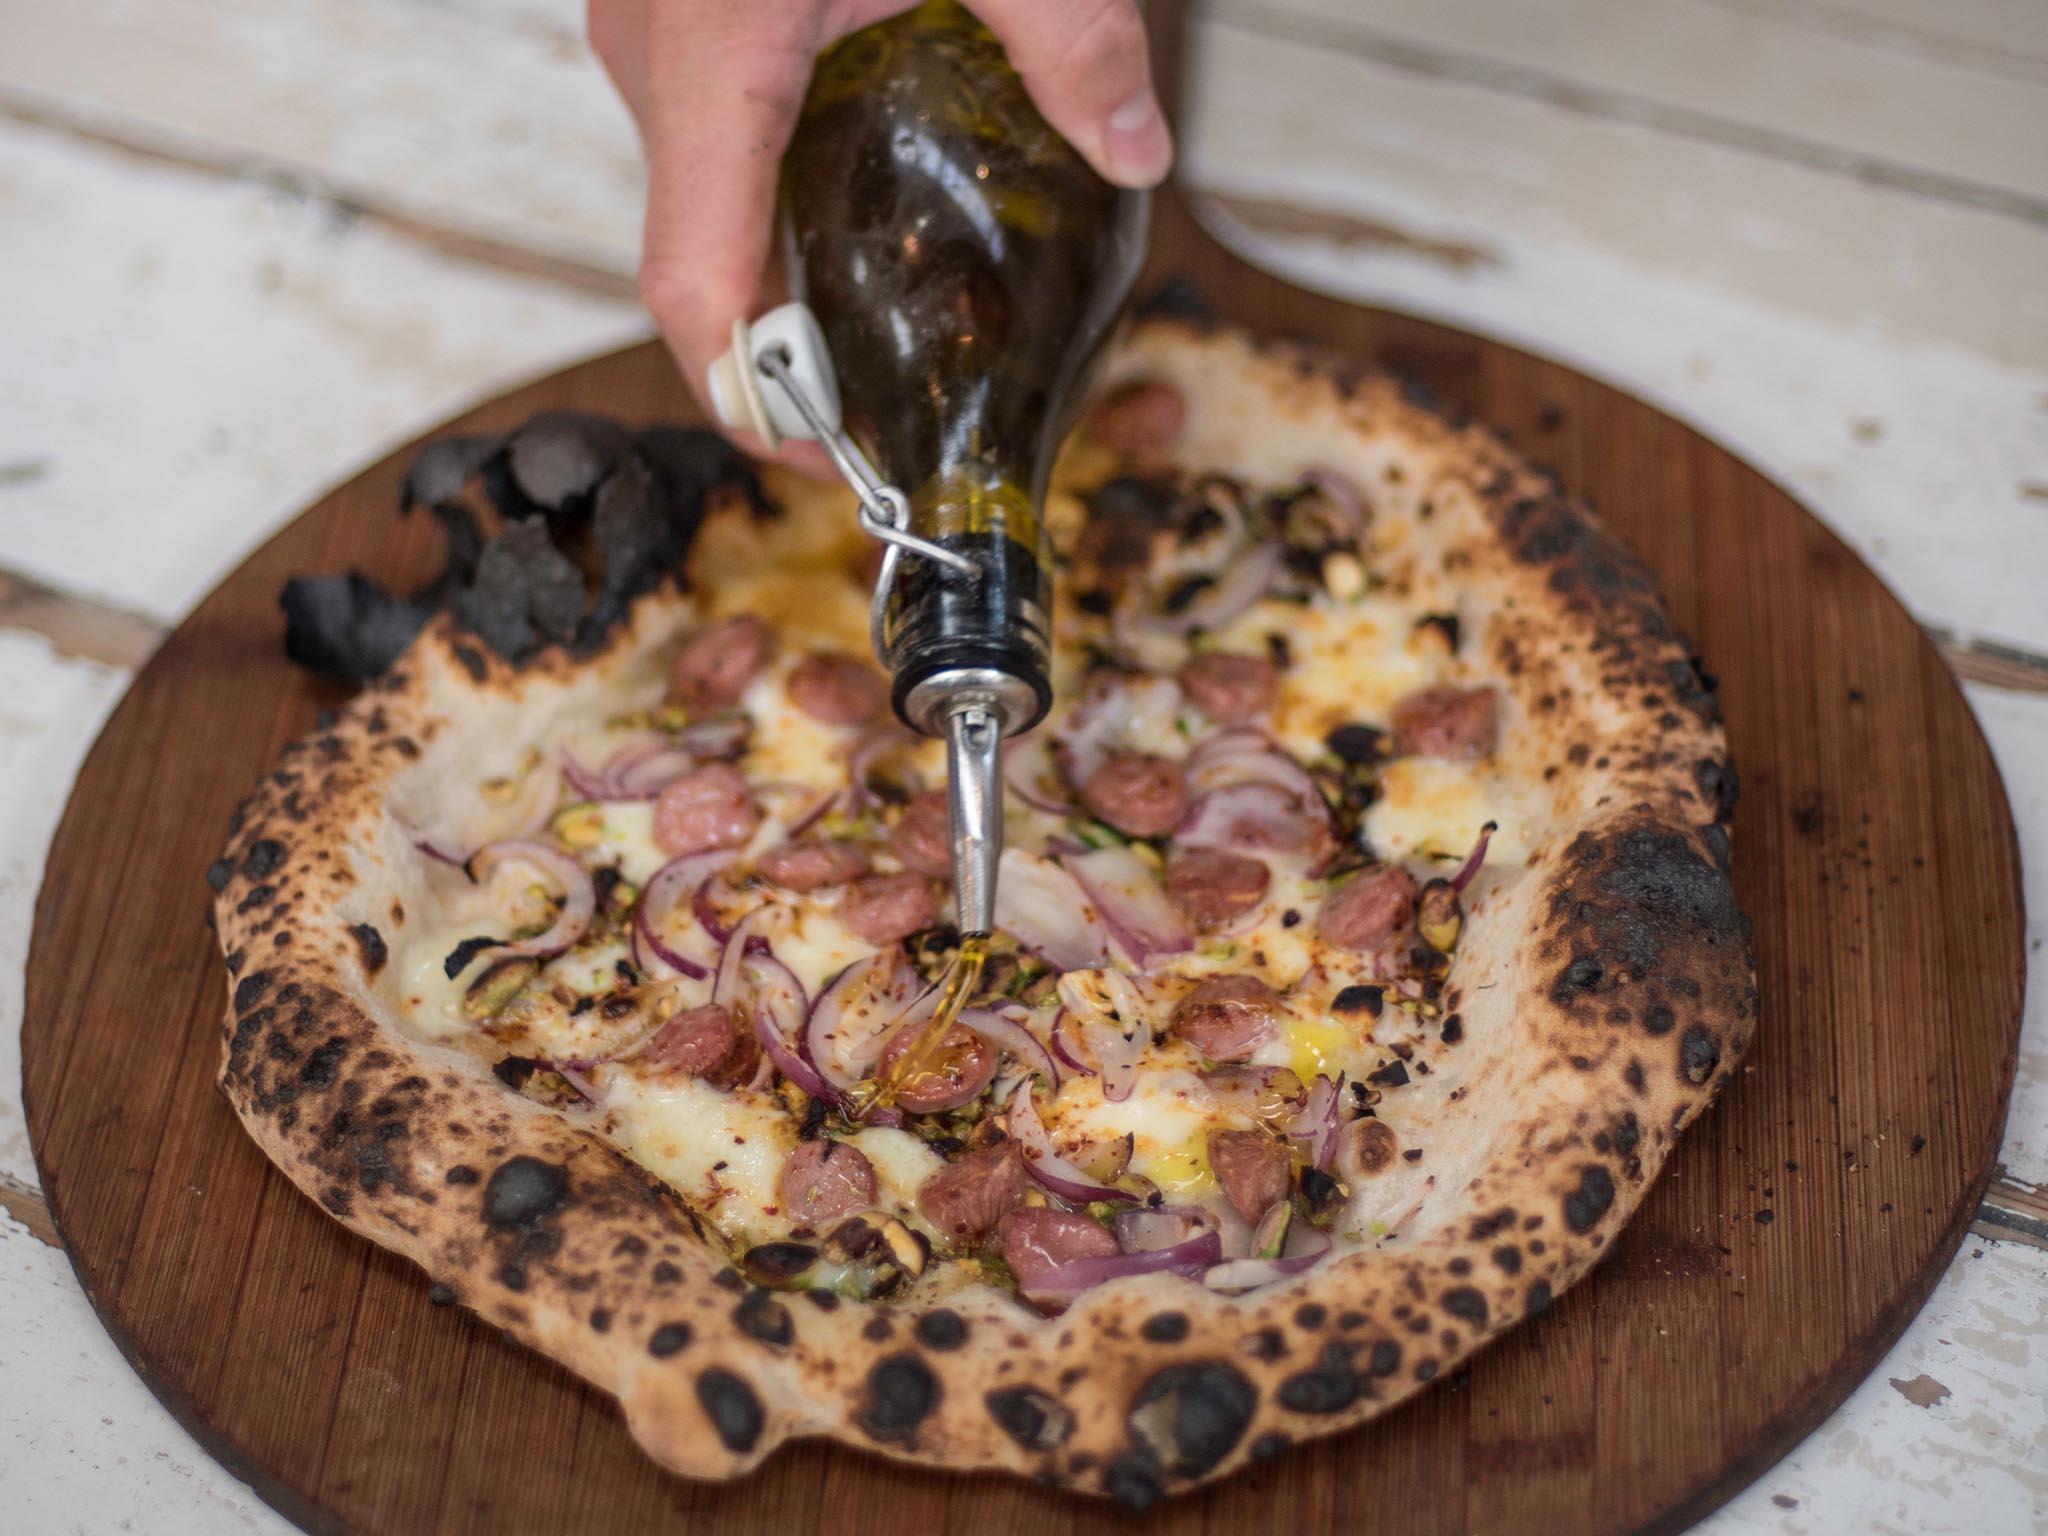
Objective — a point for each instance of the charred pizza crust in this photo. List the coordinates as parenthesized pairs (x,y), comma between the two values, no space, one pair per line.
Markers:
(1601,1004)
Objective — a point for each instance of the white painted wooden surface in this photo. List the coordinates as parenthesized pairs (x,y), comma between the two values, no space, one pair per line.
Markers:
(245,245)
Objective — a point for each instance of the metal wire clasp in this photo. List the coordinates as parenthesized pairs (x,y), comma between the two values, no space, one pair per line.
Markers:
(884,509)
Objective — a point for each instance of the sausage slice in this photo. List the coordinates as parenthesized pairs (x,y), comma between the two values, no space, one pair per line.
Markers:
(824,1179)
(966,1199)
(1227,1018)
(1252,1169)
(1446,722)
(1370,909)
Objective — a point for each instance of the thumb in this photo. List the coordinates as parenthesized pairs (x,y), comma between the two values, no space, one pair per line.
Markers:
(1086,66)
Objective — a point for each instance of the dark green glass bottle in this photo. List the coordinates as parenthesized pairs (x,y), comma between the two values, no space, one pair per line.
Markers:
(965,264)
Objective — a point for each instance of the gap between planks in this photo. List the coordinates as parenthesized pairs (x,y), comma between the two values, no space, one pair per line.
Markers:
(1610,104)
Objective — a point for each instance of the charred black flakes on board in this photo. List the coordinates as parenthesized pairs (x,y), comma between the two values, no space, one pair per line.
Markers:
(572,492)
(1178,299)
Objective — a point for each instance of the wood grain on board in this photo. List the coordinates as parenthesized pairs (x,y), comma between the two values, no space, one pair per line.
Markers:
(1799,1226)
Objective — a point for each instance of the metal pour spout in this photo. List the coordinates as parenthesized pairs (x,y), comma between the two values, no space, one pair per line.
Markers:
(974,806)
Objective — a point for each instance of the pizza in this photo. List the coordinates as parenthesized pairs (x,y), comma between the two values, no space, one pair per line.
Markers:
(1366,940)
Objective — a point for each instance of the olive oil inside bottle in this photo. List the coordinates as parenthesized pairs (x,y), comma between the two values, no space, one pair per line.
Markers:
(965,263)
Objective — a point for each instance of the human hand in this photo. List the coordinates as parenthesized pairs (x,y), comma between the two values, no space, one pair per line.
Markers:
(716,86)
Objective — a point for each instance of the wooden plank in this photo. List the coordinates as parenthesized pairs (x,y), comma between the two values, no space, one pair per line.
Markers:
(1709,282)
(1748,78)
(490,120)
(155,474)
(76,626)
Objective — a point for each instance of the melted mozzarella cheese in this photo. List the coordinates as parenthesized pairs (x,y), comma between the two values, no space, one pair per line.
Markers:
(1168,1117)
(431,1000)
(723,1152)
(1351,661)
(625,836)
(808,938)
(1432,809)
(901,1162)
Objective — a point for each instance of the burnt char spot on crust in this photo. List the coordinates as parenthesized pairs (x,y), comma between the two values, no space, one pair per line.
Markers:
(1698,1055)
(1166,1327)
(1586,1204)
(1265,1344)
(263,858)
(1330,1387)
(733,1409)
(218,874)
(1270,1444)
(901,1393)
(1467,1302)
(668,1339)
(760,1316)
(1133,1482)
(250,989)
(1194,1414)
(1539,1299)
(1036,1420)
(1386,1358)
(941,1328)
(370,945)
(524,1191)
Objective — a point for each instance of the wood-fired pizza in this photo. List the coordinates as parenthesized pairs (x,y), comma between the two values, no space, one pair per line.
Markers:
(1366,939)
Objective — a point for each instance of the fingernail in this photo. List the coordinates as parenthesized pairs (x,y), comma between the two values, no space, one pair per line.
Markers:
(1136,142)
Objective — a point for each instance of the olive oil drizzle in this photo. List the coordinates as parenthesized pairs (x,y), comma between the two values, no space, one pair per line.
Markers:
(955,987)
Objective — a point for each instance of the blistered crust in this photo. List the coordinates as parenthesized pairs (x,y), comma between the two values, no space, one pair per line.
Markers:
(1619,996)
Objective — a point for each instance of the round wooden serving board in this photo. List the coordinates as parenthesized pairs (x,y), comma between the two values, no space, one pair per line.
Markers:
(1801,1223)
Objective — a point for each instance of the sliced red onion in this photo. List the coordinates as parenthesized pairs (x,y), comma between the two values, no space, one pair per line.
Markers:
(1028,767)
(1044,909)
(1046,1165)
(1115,1027)
(853,1017)
(639,770)
(1476,859)
(1007,1034)
(1254,819)
(442,850)
(588,783)
(707,913)
(1161,1226)
(812,814)
(867,753)
(1316,1121)
(1137,709)
(1193,1259)
(579,896)
(1243,756)
(726,990)
(664,891)
(1248,1274)
(776,1048)
(719,737)
(1343,496)
(1065,1047)
(1132,903)
(645,775)
(1244,580)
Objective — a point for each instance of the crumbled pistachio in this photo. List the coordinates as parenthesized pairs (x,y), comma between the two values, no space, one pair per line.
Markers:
(1438,917)
(489,994)
(1343,576)
(505,786)
(580,825)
